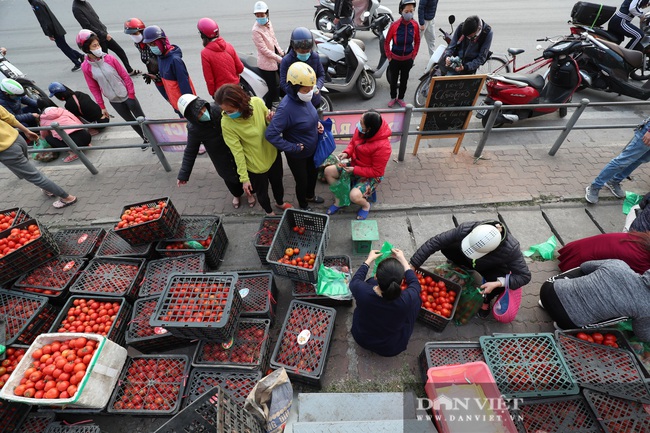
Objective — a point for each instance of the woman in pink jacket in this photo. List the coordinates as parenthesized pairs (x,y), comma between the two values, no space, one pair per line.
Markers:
(269,53)
(51,113)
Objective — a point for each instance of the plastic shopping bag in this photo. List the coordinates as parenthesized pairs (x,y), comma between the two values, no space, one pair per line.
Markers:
(333,284)
(326,144)
(546,249)
(386,252)
(270,401)
(341,189)
(631,199)
(506,307)
(43,156)
(468,304)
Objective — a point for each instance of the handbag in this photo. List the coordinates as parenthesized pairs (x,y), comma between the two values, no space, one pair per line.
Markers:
(506,307)
(326,144)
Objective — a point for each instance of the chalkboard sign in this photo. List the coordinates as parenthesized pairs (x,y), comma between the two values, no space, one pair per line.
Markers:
(451,91)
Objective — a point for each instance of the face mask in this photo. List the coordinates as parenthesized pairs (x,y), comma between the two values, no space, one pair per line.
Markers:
(303,57)
(262,21)
(97,53)
(155,50)
(359,128)
(306,97)
(205,116)
(234,115)
(136,38)
(408,16)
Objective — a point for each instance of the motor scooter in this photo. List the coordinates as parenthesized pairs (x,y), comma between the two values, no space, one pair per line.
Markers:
(325,15)
(382,24)
(563,80)
(9,70)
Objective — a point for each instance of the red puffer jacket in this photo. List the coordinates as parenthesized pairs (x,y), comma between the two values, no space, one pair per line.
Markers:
(221,65)
(370,157)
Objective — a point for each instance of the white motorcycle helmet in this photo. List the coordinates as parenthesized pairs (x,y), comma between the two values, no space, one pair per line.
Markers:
(484,239)
(184,101)
(260,8)
(11,87)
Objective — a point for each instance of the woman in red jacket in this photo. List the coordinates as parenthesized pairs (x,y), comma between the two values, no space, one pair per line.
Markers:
(368,154)
(220,62)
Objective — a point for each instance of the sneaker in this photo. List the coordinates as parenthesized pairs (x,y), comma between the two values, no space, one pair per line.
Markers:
(316,199)
(75,68)
(307,209)
(401,102)
(591,194)
(616,189)
(392,102)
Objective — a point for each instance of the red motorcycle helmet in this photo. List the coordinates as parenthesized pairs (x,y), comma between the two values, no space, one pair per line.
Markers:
(208,28)
(83,39)
(133,26)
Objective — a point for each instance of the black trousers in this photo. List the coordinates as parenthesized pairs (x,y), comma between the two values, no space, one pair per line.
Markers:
(306,175)
(271,78)
(117,49)
(260,183)
(399,72)
(129,110)
(554,307)
(75,56)
(81,138)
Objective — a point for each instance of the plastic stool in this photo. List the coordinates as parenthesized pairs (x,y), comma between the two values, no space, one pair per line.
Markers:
(363,233)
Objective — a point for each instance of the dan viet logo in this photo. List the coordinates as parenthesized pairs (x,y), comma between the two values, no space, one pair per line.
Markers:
(466,409)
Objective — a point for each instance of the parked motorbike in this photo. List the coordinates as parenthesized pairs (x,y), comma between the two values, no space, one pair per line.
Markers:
(9,70)
(382,24)
(325,15)
(564,78)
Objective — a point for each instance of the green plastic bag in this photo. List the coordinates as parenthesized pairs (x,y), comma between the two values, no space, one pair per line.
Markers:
(43,156)
(546,249)
(631,199)
(341,189)
(333,284)
(468,304)
(386,252)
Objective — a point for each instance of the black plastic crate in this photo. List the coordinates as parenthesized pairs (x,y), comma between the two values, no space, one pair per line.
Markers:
(436,321)
(15,216)
(110,276)
(79,242)
(259,294)
(591,14)
(214,411)
(115,246)
(207,230)
(52,279)
(237,384)
(144,337)
(617,415)
(313,240)
(304,362)
(163,227)
(37,423)
(158,272)
(606,369)
(439,353)
(22,312)
(555,415)
(12,416)
(307,291)
(249,349)
(29,256)
(203,306)
(40,325)
(61,427)
(264,236)
(163,376)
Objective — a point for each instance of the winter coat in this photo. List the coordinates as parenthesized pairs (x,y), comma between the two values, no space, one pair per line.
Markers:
(642,221)
(8,131)
(15,106)
(295,122)
(269,53)
(50,25)
(427,10)
(88,18)
(370,157)
(60,115)
(621,246)
(107,76)
(313,61)
(87,109)
(402,40)
(221,65)
(505,259)
(174,75)
(343,8)
(472,54)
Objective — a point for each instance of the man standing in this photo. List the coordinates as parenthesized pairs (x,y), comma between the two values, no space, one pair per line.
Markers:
(342,12)
(55,31)
(633,155)
(426,15)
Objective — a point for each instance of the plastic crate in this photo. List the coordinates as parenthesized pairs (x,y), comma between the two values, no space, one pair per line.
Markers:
(606,369)
(214,411)
(264,236)
(203,306)
(433,320)
(617,415)
(108,276)
(42,324)
(152,373)
(441,353)
(555,415)
(115,246)
(313,240)
(164,227)
(307,291)
(304,362)
(249,349)
(29,256)
(237,384)
(198,228)
(527,365)
(18,214)
(115,333)
(144,337)
(52,279)
(158,272)
(79,242)
(60,427)
(21,312)
(36,423)
(259,294)
(12,416)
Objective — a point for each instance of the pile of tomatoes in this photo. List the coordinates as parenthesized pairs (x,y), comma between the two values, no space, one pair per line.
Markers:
(9,363)
(7,220)
(597,337)
(91,316)
(292,257)
(184,245)
(55,274)
(141,214)
(307,357)
(113,278)
(237,385)
(57,368)
(195,301)
(299,229)
(435,296)
(245,349)
(18,238)
(266,233)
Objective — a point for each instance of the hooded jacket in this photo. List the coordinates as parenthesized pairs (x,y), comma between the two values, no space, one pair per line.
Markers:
(174,75)
(221,65)
(294,122)
(316,65)
(370,157)
(60,115)
(107,76)
(15,106)
(50,25)
(86,108)
(269,53)
(505,259)
(88,18)
(473,54)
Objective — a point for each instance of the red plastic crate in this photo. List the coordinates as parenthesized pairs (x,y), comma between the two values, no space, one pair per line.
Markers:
(115,246)
(144,337)
(79,242)
(163,379)
(259,294)
(16,216)
(158,272)
(440,353)
(109,276)
(436,321)
(618,415)
(264,236)
(206,229)
(161,228)
(249,349)
(306,362)
(23,313)
(53,278)
(12,416)
(307,291)
(237,384)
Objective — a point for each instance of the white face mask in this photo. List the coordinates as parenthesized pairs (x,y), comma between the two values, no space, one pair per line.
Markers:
(97,53)
(136,38)
(306,97)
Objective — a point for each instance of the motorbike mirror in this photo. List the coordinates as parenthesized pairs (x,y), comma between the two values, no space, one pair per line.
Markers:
(452,19)
(539,47)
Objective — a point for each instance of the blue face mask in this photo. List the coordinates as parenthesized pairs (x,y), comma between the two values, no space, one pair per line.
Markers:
(303,57)
(408,16)
(156,51)
(359,128)
(234,115)
(205,116)
(262,21)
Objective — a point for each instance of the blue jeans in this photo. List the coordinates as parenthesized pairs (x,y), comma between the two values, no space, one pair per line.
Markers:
(634,154)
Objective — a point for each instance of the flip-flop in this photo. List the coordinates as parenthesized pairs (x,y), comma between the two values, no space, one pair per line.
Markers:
(236,202)
(362,214)
(333,209)
(252,201)
(70,158)
(60,204)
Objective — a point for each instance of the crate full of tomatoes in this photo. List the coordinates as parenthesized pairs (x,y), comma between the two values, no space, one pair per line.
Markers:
(264,236)
(299,245)
(259,294)
(148,221)
(616,415)
(307,291)
(52,279)
(304,342)
(13,356)
(144,337)
(439,297)
(150,385)
(25,316)
(79,242)
(237,384)
(203,306)
(197,234)
(37,422)
(115,246)
(158,271)
(107,276)
(24,247)
(11,217)
(90,365)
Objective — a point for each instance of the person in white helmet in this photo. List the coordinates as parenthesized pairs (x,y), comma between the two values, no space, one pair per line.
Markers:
(486,247)
(269,53)
(13,98)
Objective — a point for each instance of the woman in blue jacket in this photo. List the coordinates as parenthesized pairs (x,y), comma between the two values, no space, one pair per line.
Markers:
(294,130)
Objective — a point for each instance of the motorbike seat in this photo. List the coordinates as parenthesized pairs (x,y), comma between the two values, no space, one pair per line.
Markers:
(535,80)
(515,51)
(602,33)
(633,57)
(250,62)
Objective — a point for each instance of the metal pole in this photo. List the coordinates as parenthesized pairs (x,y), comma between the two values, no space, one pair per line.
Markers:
(73,147)
(405,129)
(488,127)
(154,144)
(569,125)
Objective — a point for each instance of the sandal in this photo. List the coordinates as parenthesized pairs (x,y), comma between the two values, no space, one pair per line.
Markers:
(333,209)
(252,201)
(362,214)
(60,204)
(135,72)
(70,158)
(236,202)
